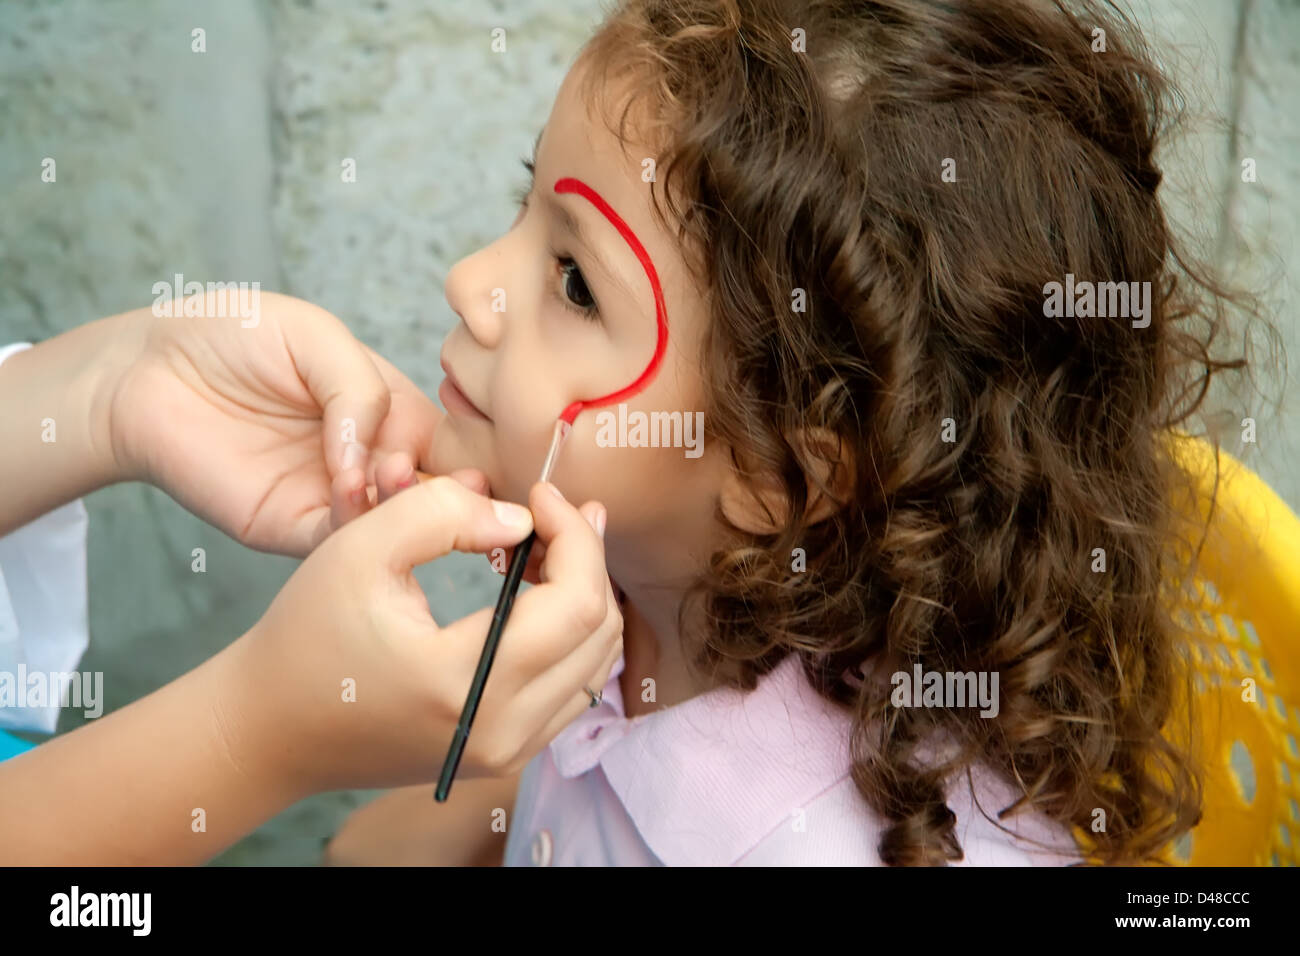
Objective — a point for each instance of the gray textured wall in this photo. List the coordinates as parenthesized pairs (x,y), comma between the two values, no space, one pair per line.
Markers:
(225,166)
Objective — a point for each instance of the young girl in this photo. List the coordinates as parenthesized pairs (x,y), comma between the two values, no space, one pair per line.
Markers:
(866,624)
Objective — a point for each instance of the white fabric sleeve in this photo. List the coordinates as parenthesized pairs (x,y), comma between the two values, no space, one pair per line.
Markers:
(43,611)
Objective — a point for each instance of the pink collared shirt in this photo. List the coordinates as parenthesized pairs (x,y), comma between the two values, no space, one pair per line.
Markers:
(731,778)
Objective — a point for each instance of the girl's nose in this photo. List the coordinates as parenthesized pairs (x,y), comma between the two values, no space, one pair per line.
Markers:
(479,290)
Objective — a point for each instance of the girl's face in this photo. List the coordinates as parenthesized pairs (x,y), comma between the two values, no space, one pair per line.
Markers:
(559,309)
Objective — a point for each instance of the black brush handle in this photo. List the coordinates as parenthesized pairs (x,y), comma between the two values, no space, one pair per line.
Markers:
(509,588)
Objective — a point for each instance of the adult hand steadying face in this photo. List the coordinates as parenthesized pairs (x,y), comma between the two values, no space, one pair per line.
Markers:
(270,432)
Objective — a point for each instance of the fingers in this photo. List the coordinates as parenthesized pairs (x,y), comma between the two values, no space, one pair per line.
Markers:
(569,536)
(574,598)
(471,478)
(562,634)
(342,379)
(590,511)
(348,498)
(559,692)
(531,569)
(415,427)
(394,473)
(542,663)
(351,497)
(431,518)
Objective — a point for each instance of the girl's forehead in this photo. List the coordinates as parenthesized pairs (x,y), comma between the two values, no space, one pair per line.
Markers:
(577,143)
(579,133)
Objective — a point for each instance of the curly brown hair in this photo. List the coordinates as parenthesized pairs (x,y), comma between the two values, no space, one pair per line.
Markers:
(802,148)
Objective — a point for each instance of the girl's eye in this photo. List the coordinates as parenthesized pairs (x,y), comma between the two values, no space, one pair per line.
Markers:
(577,296)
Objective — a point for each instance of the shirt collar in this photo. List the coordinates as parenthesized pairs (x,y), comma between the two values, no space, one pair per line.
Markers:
(705,780)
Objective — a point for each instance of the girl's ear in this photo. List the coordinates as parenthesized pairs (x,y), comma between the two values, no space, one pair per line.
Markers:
(760,506)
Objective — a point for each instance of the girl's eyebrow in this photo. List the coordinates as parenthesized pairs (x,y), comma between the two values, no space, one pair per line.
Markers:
(576,228)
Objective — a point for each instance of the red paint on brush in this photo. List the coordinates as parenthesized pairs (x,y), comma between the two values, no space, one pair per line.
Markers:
(571,185)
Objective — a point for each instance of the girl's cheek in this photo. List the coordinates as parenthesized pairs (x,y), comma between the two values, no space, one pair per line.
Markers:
(522,434)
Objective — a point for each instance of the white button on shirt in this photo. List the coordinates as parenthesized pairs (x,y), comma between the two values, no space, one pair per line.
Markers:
(542,848)
(43,603)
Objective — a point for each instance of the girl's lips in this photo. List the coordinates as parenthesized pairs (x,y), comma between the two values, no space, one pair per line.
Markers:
(455,399)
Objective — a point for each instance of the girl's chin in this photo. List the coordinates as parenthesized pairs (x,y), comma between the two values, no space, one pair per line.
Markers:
(449,453)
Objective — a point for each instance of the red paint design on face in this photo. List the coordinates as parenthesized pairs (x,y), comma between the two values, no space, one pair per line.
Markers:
(571,185)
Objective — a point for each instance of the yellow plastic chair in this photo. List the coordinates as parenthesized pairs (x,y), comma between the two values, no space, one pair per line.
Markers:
(1243,626)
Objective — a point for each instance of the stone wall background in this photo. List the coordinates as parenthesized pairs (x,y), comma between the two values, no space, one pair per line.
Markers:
(225,166)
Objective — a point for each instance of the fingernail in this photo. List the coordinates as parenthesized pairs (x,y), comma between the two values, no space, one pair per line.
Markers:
(600,522)
(408,480)
(355,497)
(353,455)
(555,491)
(512,515)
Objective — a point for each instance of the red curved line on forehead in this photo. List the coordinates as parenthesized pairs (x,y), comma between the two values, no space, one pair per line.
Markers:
(570,185)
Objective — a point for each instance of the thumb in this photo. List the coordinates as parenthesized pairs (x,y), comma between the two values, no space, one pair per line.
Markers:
(431,518)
